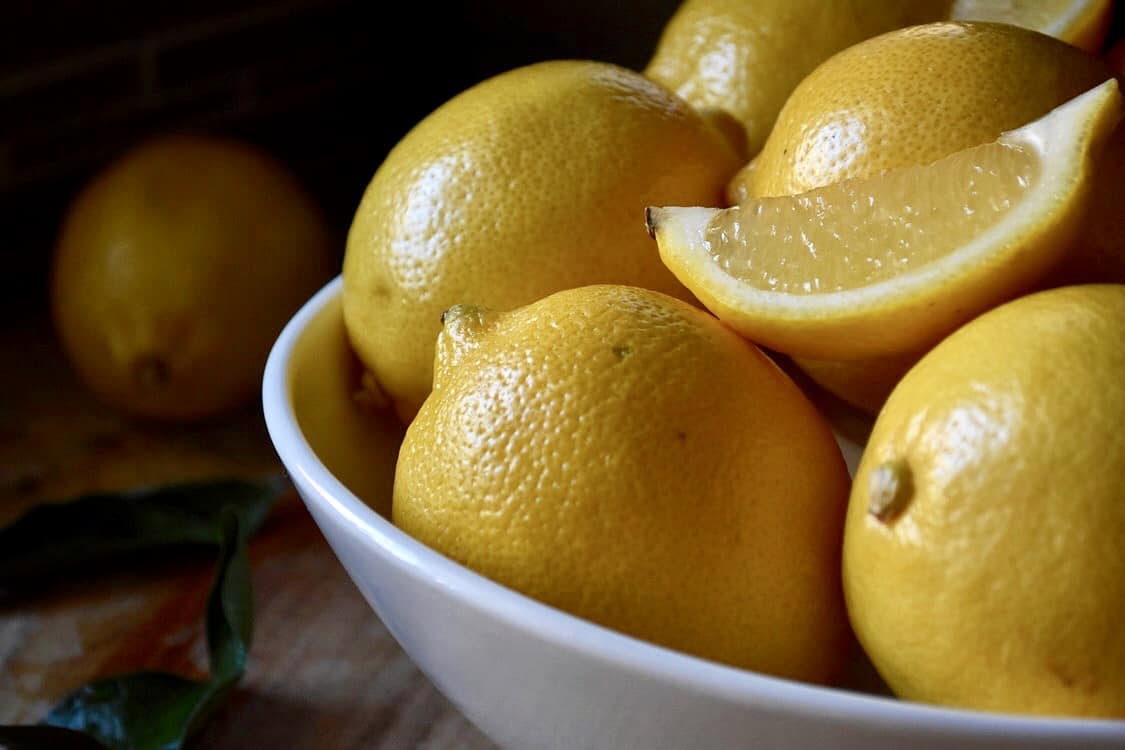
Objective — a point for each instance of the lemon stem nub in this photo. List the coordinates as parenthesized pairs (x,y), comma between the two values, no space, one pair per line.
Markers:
(462,314)
(892,487)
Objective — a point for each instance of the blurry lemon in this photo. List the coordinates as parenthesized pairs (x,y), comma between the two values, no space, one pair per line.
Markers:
(983,557)
(891,264)
(1082,23)
(743,59)
(531,182)
(623,456)
(175,269)
(911,97)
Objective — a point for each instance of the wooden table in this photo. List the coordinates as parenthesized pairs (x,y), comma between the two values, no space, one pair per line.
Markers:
(323,673)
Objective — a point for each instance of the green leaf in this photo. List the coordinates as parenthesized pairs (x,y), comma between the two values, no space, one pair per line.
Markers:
(149,710)
(157,711)
(56,538)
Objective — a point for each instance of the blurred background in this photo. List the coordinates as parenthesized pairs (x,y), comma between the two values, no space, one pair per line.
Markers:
(326,85)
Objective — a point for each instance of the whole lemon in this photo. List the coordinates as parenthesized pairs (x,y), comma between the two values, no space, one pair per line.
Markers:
(528,183)
(175,269)
(911,97)
(623,456)
(983,556)
(742,59)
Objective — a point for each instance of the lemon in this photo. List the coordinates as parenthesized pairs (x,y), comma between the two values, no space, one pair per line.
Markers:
(175,269)
(1082,23)
(528,183)
(623,456)
(742,59)
(862,384)
(890,265)
(911,97)
(983,556)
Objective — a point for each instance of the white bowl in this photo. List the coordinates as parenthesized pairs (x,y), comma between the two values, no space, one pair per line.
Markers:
(531,676)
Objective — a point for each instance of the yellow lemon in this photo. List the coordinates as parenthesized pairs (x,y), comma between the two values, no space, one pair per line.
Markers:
(983,556)
(862,384)
(528,183)
(175,269)
(623,456)
(891,264)
(911,97)
(742,59)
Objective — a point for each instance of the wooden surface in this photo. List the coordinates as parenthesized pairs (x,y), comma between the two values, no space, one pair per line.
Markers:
(323,672)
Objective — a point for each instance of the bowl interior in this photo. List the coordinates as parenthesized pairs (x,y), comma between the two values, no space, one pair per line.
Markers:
(356,442)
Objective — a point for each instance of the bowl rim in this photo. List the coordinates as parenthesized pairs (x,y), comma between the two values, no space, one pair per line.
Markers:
(568,631)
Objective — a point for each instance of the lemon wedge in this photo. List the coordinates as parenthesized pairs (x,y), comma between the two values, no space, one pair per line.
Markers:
(893,263)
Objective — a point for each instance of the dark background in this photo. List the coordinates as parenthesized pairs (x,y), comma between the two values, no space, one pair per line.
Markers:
(327,85)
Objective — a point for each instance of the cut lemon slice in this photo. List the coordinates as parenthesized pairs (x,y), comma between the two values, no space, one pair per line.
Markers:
(1083,23)
(891,264)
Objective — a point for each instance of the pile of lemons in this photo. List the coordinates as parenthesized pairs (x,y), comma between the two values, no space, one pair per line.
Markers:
(575,282)
(589,292)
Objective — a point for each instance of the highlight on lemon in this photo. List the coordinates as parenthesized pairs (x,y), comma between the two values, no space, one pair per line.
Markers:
(891,264)
(527,183)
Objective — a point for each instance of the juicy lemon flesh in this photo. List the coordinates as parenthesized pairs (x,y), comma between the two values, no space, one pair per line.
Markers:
(857,233)
(894,263)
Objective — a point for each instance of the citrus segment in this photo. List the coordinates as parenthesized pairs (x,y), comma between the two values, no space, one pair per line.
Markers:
(888,265)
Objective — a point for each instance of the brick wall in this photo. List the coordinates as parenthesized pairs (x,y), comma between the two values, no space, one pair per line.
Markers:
(327,85)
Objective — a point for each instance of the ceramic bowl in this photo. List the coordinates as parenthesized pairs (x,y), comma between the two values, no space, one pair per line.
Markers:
(531,676)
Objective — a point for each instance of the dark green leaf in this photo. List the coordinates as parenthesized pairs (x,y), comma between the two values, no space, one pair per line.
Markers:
(56,538)
(144,710)
(156,711)
(139,710)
